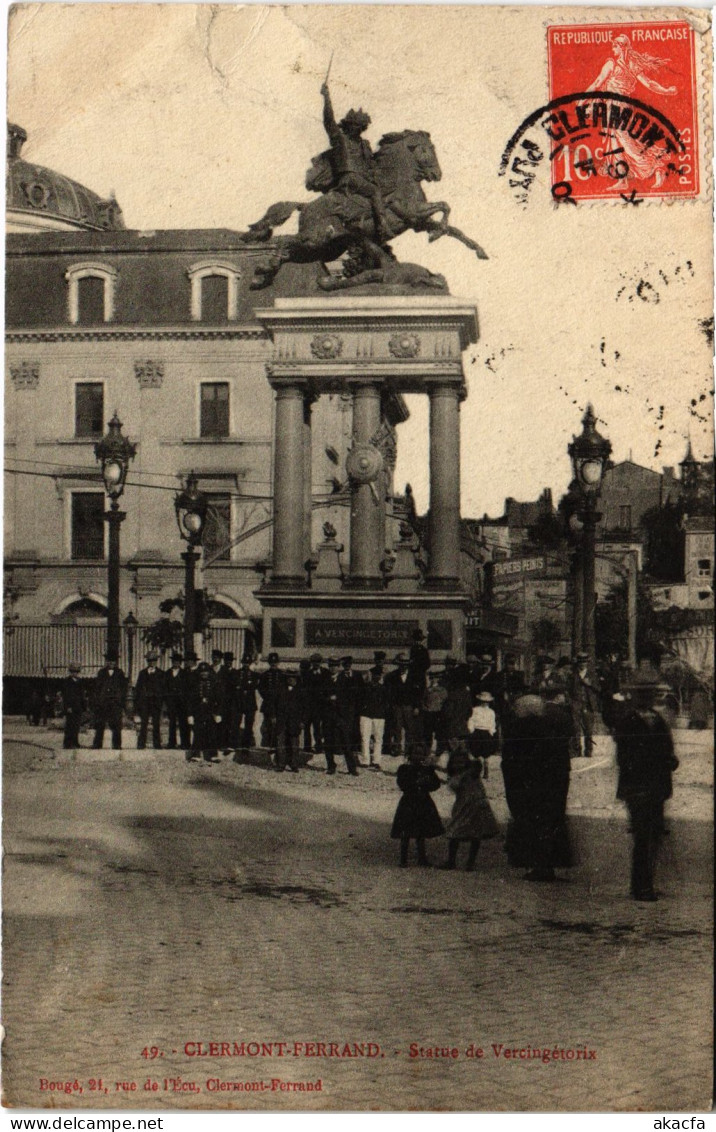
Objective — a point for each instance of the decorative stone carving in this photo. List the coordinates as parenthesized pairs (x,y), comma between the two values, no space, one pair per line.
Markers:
(364,463)
(37,194)
(325,346)
(404,345)
(406,572)
(406,532)
(149,373)
(327,573)
(25,375)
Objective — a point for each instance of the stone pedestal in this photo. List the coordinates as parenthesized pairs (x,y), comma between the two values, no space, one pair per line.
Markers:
(374,348)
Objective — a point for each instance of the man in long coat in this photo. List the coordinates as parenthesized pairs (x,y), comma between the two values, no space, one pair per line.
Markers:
(646,759)
(148,699)
(271,687)
(405,697)
(73,703)
(176,692)
(205,707)
(584,698)
(315,681)
(109,698)
(243,706)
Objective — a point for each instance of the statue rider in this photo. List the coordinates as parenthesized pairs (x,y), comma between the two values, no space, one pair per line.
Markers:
(352,159)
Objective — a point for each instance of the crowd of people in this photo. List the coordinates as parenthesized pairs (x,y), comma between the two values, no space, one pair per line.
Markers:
(439,721)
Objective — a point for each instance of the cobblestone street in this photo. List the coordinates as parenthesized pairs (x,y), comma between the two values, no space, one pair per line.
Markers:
(154,903)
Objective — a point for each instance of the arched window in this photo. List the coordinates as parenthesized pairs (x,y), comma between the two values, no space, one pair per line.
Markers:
(83,609)
(219,610)
(214,291)
(91,293)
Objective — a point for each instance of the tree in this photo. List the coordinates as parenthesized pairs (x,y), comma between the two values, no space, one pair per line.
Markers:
(548,532)
(165,634)
(611,625)
(665,542)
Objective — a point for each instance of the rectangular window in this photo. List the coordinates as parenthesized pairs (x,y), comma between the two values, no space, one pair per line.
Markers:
(625,517)
(217,530)
(90,300)
(215,298)
(214,409)
(89,409)
(704,567)
(88,525)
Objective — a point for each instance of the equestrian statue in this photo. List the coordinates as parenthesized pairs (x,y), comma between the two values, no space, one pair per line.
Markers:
(367,198)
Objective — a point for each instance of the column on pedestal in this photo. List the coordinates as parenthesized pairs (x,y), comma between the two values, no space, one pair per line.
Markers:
(307,477)
(367,505)
(289,460)
(444,572)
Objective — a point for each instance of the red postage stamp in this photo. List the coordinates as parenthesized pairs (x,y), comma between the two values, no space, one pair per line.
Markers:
(623,110)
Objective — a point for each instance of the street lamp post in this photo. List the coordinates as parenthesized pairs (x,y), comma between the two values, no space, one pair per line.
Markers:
(130,624)
(191,507)
(114,452)
(589,453)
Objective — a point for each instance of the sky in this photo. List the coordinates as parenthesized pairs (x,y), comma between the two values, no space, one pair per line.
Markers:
(202,116)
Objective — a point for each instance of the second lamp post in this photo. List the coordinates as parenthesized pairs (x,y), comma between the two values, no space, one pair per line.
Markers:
(114,452)
(190,506)
(589,453)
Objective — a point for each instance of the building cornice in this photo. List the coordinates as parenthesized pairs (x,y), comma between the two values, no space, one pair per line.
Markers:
(137,334)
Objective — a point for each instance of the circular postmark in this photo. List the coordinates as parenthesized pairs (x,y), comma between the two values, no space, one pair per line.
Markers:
(596,146)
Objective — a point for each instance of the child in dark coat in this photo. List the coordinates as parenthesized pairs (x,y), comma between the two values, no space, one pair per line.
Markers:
(472,820)
(416,816)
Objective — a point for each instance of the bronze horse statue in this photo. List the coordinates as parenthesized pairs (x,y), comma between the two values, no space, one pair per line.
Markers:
(340,222)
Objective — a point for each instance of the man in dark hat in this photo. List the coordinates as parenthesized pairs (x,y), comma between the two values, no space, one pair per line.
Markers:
(304,671)
(338,704)
(373,707)
(316,680)
(404,697)
(419,659)
(191,683)
(509,685)
(109,698)
(244,688)
(646,760)
(584,699)
(228,709)
(433,702)
(289,723)
(349,685)
(474,670)
(175,700)
(148,698)
(205,714)
(271,687)
(73,703)
(484,680)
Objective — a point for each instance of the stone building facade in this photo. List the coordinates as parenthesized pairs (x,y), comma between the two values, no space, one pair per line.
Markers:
(161,327)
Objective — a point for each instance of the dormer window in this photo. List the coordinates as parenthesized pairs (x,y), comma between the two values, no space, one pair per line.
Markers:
(214,291)
(91,293)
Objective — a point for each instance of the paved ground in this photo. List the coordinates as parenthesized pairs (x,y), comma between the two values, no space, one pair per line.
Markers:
(151,902)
